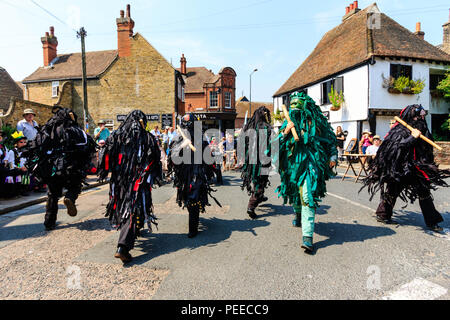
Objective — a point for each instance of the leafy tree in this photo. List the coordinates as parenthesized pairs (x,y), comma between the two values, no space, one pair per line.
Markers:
(444,86)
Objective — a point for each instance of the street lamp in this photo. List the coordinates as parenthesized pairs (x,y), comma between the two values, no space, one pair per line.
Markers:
(250,111)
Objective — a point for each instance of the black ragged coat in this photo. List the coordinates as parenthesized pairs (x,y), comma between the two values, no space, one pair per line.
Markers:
(132,156)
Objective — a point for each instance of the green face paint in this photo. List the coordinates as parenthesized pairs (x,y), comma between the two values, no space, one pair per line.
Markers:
(297,100)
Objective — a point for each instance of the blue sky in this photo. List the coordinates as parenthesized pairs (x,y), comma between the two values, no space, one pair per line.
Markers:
(274,36)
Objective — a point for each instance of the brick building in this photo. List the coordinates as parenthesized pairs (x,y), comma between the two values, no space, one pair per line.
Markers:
(210,96)
(135,76)
(8,89)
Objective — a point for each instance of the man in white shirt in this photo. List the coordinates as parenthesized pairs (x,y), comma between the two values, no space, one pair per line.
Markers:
(28,126)
(156,132)
(372,150)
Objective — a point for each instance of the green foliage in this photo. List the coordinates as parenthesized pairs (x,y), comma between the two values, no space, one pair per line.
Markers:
(404,85)
(446,125)
(444,87)
(8,140)
(336,98)
(401,83)
(417,86)
(278,115)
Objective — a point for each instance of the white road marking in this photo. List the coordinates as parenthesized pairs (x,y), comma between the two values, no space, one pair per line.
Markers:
(352,202)
(418,289)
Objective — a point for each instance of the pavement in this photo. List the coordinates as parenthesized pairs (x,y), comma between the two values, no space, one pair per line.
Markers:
(233,257)
(20,202)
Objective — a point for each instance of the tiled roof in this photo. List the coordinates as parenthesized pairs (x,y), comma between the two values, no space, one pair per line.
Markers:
(196,78)
(353,42)
(68,66)
(8,89)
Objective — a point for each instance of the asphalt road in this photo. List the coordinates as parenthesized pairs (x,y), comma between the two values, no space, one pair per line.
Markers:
(234,257)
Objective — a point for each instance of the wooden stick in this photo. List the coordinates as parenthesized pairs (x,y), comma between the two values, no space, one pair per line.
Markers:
(185,138)
(286,115)
(142,123)
(421,135)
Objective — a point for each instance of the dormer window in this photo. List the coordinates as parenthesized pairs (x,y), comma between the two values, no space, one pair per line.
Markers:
(55,89)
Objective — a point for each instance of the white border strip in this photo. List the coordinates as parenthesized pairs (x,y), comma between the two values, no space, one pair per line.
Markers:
(352,202)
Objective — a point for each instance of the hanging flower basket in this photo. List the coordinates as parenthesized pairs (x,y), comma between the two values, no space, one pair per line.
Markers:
(335,108)
(403,85)
(336,99)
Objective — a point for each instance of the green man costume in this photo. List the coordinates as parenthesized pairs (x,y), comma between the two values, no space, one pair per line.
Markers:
(305,165)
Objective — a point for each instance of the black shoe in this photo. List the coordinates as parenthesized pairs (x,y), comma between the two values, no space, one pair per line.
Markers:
(385,221)
(263,199)
(297,223)
(123,254)
(71,208)
(252,214)
(436,228)
(49,226)
(307,245)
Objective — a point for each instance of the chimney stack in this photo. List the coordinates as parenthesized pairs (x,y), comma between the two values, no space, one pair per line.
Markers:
(351,10)
(419,32)
(183,64)
(49,45)
(446,42)
(125,27)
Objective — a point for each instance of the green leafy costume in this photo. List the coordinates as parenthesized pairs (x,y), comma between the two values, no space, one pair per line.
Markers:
(304,166)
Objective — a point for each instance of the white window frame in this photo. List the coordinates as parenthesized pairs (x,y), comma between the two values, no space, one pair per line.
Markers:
(55,89)
(211,100)
(228,100)
(182,94)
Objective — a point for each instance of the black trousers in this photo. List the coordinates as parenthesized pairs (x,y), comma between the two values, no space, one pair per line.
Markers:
(218,173)
(55,191)
(194,217)
(127,234)
(389,197)
(255,199)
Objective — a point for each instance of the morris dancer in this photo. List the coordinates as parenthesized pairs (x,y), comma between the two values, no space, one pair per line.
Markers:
(255,176)
(306,164)
(133,157)
(190,178)
(59,156)
(404,167)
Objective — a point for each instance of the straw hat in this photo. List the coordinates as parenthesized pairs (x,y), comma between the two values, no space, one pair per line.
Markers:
(29,111)
(377,137)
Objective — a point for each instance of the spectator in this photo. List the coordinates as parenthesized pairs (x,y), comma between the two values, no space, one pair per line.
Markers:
(28,126)
(172,134)
(22,178)
(3,166)
(364,143)
(372,150)
(3,152)
(165,139)
(156,132)
(340,136)
(101,132)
